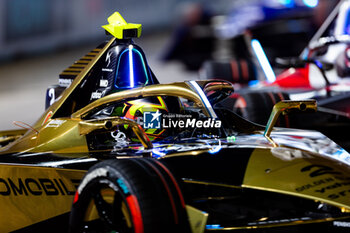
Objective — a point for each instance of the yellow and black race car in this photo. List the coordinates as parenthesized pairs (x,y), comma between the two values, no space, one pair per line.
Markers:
(115,151)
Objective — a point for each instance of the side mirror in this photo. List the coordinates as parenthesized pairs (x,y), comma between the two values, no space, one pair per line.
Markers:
(218,90)
(109,124)
(285,107)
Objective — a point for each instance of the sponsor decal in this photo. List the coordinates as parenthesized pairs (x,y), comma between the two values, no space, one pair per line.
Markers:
(96,95)
(103,83)
(64,82)
(337,195)
(107,70)
(55,123)
(90,176)
(108,58)
(341,224)
(314,184)
(123,186)
(157,120)
(320,170)
(334,187)
(35,186)
(120,138)
(51,94)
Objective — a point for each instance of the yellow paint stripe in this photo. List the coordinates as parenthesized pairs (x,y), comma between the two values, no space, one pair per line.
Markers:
(69,73)
(73,69)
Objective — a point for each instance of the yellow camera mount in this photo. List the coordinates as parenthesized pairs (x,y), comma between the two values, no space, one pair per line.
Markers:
(120,29)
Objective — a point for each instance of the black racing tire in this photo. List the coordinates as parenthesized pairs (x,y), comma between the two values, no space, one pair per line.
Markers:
(240,71)
(257,107)
(129,196)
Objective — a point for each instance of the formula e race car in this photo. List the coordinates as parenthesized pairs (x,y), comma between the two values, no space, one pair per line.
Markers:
(118,152)
(321,72)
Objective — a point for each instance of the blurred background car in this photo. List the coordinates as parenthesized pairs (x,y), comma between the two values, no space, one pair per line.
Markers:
(282,26)
(321,72)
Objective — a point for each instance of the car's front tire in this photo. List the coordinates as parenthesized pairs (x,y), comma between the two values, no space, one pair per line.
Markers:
(129,196)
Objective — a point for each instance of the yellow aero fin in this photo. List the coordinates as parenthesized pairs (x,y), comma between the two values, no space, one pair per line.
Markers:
(120,29)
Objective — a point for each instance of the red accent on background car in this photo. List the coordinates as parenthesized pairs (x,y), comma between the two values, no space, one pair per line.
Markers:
(293,78)
(241,102)
(234,96)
